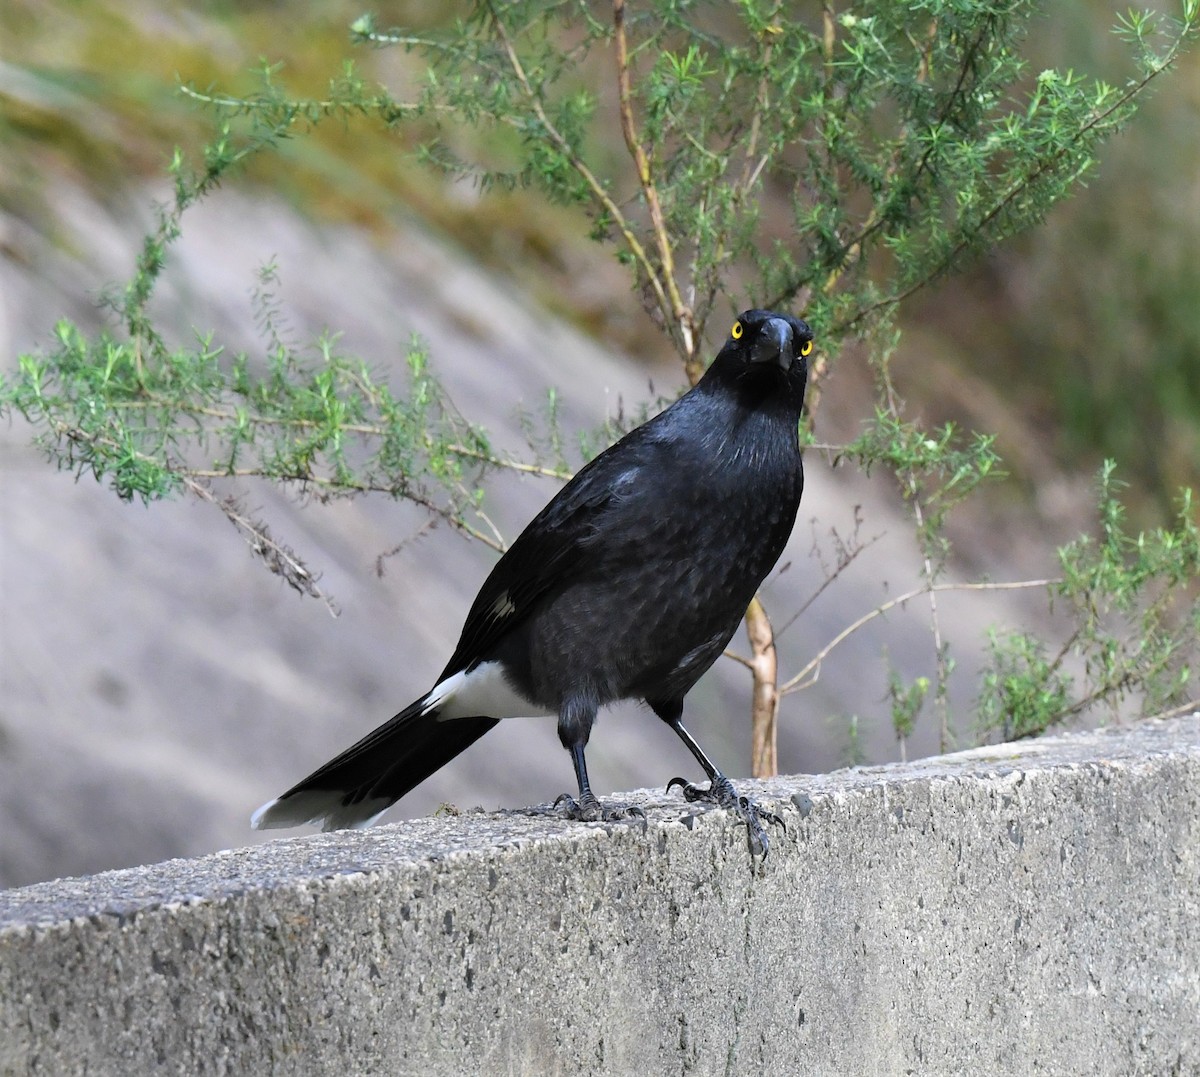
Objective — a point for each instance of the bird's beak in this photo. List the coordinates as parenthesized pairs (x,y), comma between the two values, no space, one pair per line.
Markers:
(774,344)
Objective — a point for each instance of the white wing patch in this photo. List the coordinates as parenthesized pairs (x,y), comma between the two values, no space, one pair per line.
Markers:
(502,607)
(482,693)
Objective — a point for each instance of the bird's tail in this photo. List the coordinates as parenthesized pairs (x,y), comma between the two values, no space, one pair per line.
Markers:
(367,779)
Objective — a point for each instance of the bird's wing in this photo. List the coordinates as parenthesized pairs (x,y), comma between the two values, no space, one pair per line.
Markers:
(547,553)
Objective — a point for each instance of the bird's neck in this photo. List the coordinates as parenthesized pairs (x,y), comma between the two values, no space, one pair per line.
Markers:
(769,392)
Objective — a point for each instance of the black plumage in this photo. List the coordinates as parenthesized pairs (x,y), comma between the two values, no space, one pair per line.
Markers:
(627,585)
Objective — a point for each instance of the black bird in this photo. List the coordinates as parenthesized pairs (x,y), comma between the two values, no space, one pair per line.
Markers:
(628,585)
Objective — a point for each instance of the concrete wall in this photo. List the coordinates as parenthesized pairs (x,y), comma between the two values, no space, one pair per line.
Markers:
(1031,908)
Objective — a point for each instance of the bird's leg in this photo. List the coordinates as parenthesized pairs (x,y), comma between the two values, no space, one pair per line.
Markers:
(574,728)
(720,791)
(587,807)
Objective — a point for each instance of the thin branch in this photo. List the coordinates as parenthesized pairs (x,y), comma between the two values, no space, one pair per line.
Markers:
(186,474)
(280,558)
(939,649)
(843,564)
(286,113)
(500,544)
(347,486)
(362,429)
(1118,684)
(680,313)
(740,659)
(1192,705)
(813,668)
(559,141)
(511,465)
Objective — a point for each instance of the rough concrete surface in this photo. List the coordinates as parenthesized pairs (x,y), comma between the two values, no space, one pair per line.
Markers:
(1030,908)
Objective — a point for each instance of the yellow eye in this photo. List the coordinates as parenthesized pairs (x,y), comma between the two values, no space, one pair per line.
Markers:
(736,331)
(806,348)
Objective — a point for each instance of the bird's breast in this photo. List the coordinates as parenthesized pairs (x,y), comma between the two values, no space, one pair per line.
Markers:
(671,570)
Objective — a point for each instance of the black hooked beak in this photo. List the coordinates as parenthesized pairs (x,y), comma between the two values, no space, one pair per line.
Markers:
(774,344)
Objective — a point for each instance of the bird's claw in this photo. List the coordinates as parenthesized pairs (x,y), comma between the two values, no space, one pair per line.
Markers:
(722,794)
(691,792)
(587,809)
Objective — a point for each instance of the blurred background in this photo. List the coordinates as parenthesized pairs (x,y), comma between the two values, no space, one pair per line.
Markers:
(157,684)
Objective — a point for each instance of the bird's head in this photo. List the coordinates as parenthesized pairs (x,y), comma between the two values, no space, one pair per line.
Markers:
(765,350)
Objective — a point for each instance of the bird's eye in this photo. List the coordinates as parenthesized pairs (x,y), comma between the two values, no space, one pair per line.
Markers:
(806,348)
(736,331)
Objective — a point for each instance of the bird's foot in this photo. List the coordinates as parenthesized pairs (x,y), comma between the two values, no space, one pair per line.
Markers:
(722,794)
(587,809)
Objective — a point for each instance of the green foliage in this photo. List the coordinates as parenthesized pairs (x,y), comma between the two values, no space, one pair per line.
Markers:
(938,467)
(1023,692)
(853,751)
(900,141)
(907,701)
(318,419)
(1135,612)
(1133,602)
(893,126)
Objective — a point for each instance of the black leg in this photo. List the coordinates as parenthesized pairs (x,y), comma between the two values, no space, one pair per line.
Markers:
(575,722)
(587,805)
(720,791)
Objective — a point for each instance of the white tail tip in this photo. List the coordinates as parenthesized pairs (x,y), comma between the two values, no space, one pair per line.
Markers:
(321,807)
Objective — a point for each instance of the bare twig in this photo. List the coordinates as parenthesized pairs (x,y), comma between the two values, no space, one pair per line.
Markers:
(809,675)
(427,525)
(1192,705)
(846,556)
(280,558)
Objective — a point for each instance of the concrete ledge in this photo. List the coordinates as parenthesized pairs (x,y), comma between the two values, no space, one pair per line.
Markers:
(1031,908)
